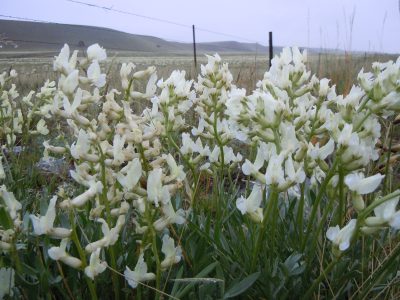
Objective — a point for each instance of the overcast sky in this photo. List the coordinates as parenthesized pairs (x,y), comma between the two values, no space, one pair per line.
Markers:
(370,25)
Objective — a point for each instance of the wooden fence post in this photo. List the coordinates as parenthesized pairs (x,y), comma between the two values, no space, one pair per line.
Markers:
(271,49)
(194,49)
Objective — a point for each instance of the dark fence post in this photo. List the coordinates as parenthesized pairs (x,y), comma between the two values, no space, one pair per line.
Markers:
(194,49)
(271,49)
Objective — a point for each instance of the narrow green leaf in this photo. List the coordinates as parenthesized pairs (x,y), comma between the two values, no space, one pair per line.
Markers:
(242,286)
(207,270)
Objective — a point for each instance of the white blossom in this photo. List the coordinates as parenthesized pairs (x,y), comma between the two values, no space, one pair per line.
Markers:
(357,183)
(96,266)
(172,254)
(139,274)
(342,237)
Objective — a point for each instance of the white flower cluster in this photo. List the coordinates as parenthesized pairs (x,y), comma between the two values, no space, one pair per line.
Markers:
(19,115)
(12,225)
(118,157)
(214,130)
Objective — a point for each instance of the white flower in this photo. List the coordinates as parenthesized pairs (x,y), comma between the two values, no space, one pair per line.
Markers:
(176,171)
(156,192)
(172,254)
(94,188)
(386,213)
(2,173)
(169,217)
(139,274)
(346,136)
(95,52)
(357,183)
(274,173)
(82,146)
(68,84)
(44,224)
(292,175)
(70,109)
(95,76)
(251,205)
(110,237)
(63,63)
(133,171)
(323,87)
(322,153)
(12,205)
(13,73)
(59,253)
(6,282)
(96,266)
(118,145)
(342,237)
(41,127)
(188,146)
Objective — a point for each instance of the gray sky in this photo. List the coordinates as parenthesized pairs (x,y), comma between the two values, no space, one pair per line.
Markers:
(314,23)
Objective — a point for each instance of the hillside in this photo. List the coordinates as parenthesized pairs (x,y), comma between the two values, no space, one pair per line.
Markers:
(48,37)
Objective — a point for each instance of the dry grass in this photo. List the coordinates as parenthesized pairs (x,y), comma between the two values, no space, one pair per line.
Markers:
(247,69)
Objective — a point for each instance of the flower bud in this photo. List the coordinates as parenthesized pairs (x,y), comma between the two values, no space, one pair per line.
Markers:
(358,202)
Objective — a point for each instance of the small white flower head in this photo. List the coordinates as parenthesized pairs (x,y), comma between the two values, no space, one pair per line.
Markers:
(12,204)
(139,274)
(94,188)
(6,282)
(251,205)
(95,76)
(63,63)
(357,183)
(169,217)
(156,192)
(293,175)
(323,87)
(13,73)
(82,146)
(41,127)
(68,84)
(176,171)
(133,171)
(110,236)
(172,254)
(95,52)
(96,266)
(321,153)
(342,237)
(2,172)
(71,108)
(386,213)
(59,253)
(274,174)
(44,224)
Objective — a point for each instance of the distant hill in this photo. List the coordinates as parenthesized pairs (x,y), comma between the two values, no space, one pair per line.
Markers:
(24,37)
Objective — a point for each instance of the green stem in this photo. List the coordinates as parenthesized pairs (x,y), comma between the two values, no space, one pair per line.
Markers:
(153,238)
(158,264)
(261,233)
(82,255)
(300,212)
(384,185)
(321,224)
(317,201)
(105,202)
(339,212)
(361,122)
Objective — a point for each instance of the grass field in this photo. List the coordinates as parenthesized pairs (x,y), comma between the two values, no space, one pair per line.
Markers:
(247,68)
